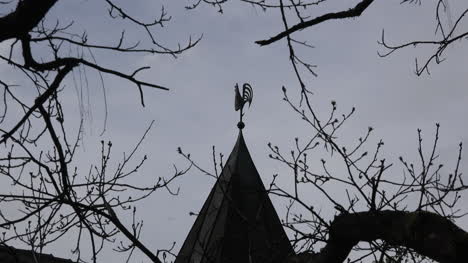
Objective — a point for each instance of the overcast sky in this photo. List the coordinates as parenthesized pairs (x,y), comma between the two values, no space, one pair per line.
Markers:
(198,113)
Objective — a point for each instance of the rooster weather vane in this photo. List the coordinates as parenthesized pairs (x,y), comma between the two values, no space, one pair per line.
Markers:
(241,100)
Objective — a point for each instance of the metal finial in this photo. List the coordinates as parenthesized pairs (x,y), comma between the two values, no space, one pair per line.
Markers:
(240,100)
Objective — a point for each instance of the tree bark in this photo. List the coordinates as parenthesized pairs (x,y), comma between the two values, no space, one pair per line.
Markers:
(426,233)
(24,18)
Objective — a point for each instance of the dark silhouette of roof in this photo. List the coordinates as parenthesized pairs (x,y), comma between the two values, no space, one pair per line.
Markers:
(10,254)
(238,222)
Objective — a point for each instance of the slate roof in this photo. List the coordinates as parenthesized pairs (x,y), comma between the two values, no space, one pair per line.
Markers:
(238,222)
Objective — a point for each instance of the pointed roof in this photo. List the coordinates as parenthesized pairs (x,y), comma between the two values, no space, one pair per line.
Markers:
(238,222)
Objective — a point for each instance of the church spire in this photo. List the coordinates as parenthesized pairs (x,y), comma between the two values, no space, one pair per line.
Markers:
(237,222)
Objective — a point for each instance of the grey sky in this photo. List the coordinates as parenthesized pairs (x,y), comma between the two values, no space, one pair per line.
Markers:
(198,112)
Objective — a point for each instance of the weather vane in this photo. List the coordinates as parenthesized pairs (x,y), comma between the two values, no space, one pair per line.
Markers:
(247,95)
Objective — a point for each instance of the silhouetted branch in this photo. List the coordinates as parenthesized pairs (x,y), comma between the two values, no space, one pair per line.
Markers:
(428,234)
(53,199)
(24,18)
(352,12)
(448,36)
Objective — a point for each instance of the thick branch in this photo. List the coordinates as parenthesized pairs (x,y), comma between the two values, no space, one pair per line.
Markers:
(353,12)
(426,233)
(26,16)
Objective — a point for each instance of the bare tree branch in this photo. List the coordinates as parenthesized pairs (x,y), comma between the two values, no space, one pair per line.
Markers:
(26,16)
(352,12)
